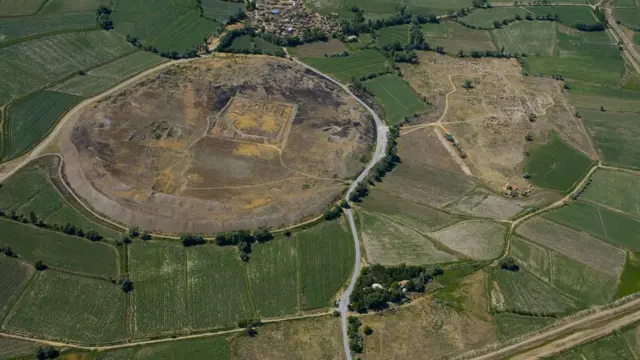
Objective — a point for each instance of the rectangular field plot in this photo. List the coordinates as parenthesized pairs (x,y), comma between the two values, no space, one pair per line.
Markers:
(273,278)
(107,76)
(532,257)
(458,37)
(485,18)
(396,97)
(426,185)
(354,66)
(419,217)
(614,227)
(248,43)
(17,349)
(594,44)
(217,292)
(606,71)
(60,7)
(158,272)
(29,120)
(570,15)
(527,37)
(326,262)
(24,27)
(577,245)
(581,282)
(220,10)
(72,308)
(556,165)
(628,16)
(31,65)
(616,135)
(58,250)
(630,278)
(200,349)
(616,190)
(607,348)
(15,275)
(485,204)
(478,240)
(32,189)
(19,7)
(522,292)
(393,35)
(511,325)
(390,243)
(592,97)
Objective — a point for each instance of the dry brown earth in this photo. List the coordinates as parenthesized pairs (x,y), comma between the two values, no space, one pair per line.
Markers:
(217,144)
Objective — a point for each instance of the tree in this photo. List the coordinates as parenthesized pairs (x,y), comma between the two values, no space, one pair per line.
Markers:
(467,84)
(191,240)
(602,108)
(134,232)
(93,235)
(127,285)
(509,263)
(368,330)
(40,266)
(262,235)
(33,217)
(145,235)
(529,137)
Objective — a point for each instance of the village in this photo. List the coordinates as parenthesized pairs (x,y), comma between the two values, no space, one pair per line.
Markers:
(289,18)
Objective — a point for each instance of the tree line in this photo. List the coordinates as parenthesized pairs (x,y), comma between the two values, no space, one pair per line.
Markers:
(66,228)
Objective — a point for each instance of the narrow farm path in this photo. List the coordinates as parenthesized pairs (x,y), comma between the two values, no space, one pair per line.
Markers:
(614,29)
(380,152)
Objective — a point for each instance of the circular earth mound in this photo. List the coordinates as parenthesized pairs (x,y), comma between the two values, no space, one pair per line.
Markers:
(218,144)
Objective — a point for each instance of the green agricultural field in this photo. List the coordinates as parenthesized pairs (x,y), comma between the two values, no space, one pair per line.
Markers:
(607,348)
(636,38)
(426,185)
(606,71)
(60,7)
(593,44)
(165,25)
(577,245)
(532,257)
(615,189)
(569,15)
(220,10)
(419,217)
(510,325)
(107,76)
(217,293)
(581,282)
(159,273)
(32,189)
(68,307)
(527,37)
(326,262)
(392,35)
(556,165)
(272,272)
(29,120)
(389,243)
(249,43)
(16,349)
(630,278)
(398,100)
(215,348)
(28,66)
(353,66)
(522,292)
(592,97)
(616,135)
(485,18)
(628,16)
(439,30)
(15,275)
(58,250)
(20,7)
(15,28)
(611,226)
(458,37)
(477,239)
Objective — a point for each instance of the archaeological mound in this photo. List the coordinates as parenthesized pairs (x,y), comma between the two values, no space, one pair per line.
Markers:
(218,144)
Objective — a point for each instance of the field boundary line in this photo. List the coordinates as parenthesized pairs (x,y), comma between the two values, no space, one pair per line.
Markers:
(298,275)
(247,283)
(47,34)
(14,302)
(579,124)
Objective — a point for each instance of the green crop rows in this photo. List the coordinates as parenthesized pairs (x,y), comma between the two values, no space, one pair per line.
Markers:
(587,285)
(354,66)
(615,189)
(569,15)
(14,28)
(510,325)
(616,135)
(215,348)
(70,307)
(248,43)
(392,35)
(556,165)
(14,276)
(326,252)
(30,119)
(396,97)
(527,37)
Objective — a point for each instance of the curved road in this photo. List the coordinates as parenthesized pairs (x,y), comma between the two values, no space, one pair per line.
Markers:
(380,152)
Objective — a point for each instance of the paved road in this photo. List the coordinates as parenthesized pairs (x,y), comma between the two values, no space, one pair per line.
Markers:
(380,152)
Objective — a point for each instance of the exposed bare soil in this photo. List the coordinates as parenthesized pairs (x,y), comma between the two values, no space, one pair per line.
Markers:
(491,120)
(217,144)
